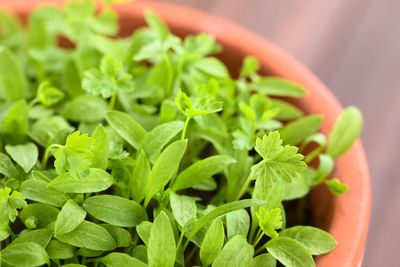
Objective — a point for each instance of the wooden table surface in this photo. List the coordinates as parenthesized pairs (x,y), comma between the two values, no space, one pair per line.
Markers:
(354,48)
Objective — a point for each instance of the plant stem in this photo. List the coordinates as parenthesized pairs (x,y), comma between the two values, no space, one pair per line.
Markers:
(244,188)
(260,234)
(33,102)
(112,100)
(185,127)
(46,154)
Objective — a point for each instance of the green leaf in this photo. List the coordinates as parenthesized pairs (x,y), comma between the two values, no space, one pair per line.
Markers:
(221,210)
(11,30)
(76,156)
(201,170)
(100,149)
(155,140)
(316,241)
(237,223)
(122,237)
(96,180)
(89,235)
(117,259)
(279,162)
(345,131)
(286,111)
(161,245)
(236,253)
(24,254)
(9,204)
(38,215)
(250,66)
(336,187)
(298,188)
(143,231)
(165,168)
(37,190)
(203,105)
(277,87)
(269,221)
(212,243)
(59,251)
(126,127)
(7,167)
(69,218)
(140,176)
(25,155)
(115,210)
(263,260)
(40,236)
(290,252)
(85,108)
(48,95)
(16,125)
(296,131)
(156,24)
(212,66)
(13,84)
(167,111)
(183,207)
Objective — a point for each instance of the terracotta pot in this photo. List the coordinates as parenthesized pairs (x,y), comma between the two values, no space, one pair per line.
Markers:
(345,217)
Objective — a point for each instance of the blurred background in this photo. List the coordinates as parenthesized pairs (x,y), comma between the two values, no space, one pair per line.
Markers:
(354,48)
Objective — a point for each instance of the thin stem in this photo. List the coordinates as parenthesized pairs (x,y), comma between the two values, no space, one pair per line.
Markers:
(258,239)
(252,229)
(112,100)
(185,127)
(46,154)
(179,242)
(244,188)
(33,102)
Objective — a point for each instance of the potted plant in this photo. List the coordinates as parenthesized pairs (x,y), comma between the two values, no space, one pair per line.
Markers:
(146,150)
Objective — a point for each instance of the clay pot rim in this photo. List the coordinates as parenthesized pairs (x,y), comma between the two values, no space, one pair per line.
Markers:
(350,212)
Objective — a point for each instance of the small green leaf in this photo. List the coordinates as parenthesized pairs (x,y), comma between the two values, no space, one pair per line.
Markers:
(38,213)
(16,123)
(263,260)
(115,210)
(126,127)
(269,221)
(201,170)
(161,245)
(85,108)
(212,243)
(25,155)
(97,180)
(9,204)
(117,259)
(345,132)
(156,24)
(250,66)
(122,237)
(13,84)
(279,162)
(336,187)
(89,235)
(100,149)
(165,168)
(316,241)
(24,254)
(277,87)
(236,253)
(296,131)
(183,207)
(140,176)
(155,140)
(76,156)
(237,223)
(69,218)
(290,252)
(40,236)
(48,95)
(7,167)
(59,251)
(38,190)
(286,111)
(143,231)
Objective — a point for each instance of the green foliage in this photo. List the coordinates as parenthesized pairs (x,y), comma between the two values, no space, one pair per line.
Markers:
(145,151)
